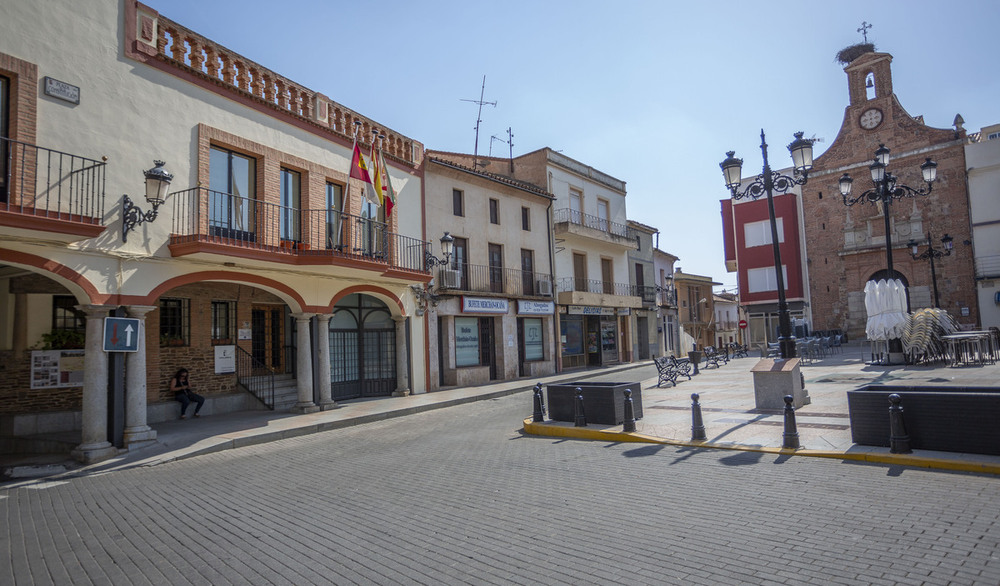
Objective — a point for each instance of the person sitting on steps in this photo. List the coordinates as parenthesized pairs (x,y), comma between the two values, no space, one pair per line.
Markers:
(182,391)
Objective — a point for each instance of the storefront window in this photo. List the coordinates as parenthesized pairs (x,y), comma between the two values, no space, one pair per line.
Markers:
(466,341)
(572,335)
(533,347)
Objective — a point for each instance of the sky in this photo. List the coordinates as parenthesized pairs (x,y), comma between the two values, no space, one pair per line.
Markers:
(650,92)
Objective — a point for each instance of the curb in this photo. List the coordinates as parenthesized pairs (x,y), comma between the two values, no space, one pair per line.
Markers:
(873,457)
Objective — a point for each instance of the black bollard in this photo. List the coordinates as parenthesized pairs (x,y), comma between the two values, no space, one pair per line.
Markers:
(629,425)
(581,417)
(899,440)
(539,414)
(790,439)
(697,425)
(541,397)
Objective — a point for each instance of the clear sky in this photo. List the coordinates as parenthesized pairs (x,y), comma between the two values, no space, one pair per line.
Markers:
(651,92)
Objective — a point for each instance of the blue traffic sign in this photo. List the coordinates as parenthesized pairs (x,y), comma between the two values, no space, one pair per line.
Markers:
(121,334)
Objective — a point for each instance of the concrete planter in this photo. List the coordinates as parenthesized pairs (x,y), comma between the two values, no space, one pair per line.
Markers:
(947,419)
(603,402)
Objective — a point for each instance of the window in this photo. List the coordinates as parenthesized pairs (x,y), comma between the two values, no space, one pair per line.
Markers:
(232,194)
(65,315)
(607,276)
(467,341)
(534,348)
(291,203)
(528,271)
(494,211)
(223,322)
(496,268)
(575,206)
(579,271)
(764,279)
(602,215)
(526,219)
(457,202)
(460,262)
(175,322)
(759,233)
(4,117)
(334,220)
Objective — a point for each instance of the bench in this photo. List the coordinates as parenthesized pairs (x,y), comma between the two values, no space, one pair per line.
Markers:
(669,368)
(737,350)
(713,357)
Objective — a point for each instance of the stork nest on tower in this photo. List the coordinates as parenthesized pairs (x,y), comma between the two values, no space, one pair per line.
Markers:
(848,54)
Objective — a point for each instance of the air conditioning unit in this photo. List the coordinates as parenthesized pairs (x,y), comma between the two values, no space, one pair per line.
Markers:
(450,279)
(545,288)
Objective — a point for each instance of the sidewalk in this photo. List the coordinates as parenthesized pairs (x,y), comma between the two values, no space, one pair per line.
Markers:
(726,397)
(732,422)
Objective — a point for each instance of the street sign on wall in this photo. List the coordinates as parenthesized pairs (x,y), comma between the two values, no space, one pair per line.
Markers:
(121,334)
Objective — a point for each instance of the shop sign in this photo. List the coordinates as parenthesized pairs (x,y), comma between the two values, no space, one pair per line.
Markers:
(585,310)
(480,305)
(535,307)
(623,310)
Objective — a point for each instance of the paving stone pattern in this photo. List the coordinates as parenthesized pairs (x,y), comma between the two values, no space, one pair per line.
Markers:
(460,496)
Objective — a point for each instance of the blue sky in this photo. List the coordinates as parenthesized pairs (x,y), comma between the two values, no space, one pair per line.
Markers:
(653,93)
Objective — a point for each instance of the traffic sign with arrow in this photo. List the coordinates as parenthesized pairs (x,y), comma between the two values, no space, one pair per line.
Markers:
(121,334)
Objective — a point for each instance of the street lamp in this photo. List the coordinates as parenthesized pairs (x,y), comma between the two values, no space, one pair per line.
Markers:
(157,181)
(447,249)
(930,254)
(764,184)
(885,189)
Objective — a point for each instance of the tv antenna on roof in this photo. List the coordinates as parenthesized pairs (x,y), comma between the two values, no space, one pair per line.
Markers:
(479,119)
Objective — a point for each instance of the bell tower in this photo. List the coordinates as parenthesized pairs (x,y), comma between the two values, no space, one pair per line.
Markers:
(869,78)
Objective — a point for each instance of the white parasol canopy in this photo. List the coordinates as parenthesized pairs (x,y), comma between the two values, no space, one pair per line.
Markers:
(885,302)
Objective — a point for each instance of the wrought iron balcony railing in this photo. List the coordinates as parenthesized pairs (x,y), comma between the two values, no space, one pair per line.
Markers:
(204,215)
(564,215)
(487,279)
(596,286)
(41,182)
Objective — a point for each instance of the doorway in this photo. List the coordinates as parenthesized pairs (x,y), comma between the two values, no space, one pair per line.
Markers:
(268,336)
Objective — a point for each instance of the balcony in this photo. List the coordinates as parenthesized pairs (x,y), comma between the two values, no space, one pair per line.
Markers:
(502,282)
(667,298)
(569,221)
(44,190)
(572,291)
(215,223)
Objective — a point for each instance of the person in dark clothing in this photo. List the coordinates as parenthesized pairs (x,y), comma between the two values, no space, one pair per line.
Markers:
(182,391)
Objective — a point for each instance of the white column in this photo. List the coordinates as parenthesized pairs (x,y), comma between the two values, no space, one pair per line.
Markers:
(136,429)
(402,375)
(94,434)
(303,364)
(323,348)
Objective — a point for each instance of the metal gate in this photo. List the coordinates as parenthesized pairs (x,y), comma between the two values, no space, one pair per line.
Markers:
(363,357)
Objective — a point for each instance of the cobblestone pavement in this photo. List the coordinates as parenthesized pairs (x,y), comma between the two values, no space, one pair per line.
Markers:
(461,496)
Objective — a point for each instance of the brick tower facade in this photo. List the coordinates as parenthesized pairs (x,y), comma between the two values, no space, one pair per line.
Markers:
(845,246)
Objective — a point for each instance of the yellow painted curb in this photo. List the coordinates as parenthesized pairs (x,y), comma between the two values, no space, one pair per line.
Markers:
(584,433)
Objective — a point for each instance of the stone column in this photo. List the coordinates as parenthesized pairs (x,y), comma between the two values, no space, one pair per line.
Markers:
(136,429)
(323,348)
(303,364)
(94,434)
(402,374)
(20,341)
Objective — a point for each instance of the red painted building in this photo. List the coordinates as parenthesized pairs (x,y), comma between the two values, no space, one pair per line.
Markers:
(749,253)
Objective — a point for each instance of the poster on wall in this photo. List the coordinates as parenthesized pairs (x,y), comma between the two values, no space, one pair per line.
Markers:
(225,359)
(52,369)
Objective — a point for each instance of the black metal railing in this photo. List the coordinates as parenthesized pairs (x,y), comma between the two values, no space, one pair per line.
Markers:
(37,181)
(487,279)
(564,215)
(648,294)
(596,286)
(668,297)
(202,214)
(255,377)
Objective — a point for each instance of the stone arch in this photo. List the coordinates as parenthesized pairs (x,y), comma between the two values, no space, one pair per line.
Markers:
(288,295)
(383,295)
(81,288)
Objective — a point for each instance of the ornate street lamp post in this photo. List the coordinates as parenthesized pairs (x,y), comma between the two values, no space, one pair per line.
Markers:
(930,254)
(764,184)
(885,188)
